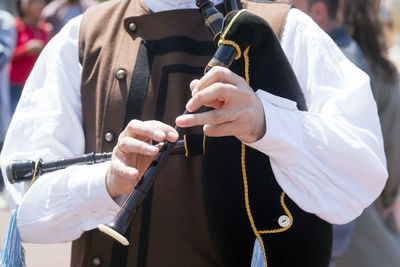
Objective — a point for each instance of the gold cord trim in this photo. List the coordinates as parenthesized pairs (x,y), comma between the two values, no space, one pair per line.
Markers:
(246,64)
(35,173)
(283,229)
(235,45)
(231,23)
(258,233)
(247,204)
(185,145)
(204,144)
(229,42)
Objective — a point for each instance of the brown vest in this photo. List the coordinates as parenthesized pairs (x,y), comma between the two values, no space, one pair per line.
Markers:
(123,45)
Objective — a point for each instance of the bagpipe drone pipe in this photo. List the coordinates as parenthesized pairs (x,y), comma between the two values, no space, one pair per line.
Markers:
(243,199)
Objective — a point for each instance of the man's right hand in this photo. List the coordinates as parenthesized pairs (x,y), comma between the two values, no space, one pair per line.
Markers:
(134,153)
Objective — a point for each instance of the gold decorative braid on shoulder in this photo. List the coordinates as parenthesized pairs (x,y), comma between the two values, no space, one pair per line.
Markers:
(35,173)
(229,42)
(231,23)
(257,232)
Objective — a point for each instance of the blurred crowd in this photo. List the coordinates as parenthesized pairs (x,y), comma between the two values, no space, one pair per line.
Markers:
(367,31)
(26,26)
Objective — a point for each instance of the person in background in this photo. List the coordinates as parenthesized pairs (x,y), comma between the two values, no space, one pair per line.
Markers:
(390,16)
(32,36)
(7,43)
(58,12)
(324,13)
(375,240)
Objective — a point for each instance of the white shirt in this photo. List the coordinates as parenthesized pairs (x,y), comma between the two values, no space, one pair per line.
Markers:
(329,160)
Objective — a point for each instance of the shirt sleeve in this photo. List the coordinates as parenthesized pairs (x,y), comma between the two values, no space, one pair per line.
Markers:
(47,124)
(329,159)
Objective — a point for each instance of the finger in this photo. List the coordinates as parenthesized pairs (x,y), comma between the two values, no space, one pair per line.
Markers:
(216,116)
(170,133)
(216,95)
(143,131)
(131,145)
(121,169)
(193,85)
(219,130)
(150,130)
(218,74)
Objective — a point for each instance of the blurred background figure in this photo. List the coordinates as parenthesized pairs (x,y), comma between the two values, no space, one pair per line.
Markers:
(7,5)
(375,240)
(390,14)
(32,36)
(372,240)
(7,43)
(325,13)
(58,12)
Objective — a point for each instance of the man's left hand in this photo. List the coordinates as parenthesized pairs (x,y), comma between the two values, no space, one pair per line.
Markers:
(237,110)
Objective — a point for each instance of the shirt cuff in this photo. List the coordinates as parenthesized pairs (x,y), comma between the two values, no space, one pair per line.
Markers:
(284,134)
(87,183)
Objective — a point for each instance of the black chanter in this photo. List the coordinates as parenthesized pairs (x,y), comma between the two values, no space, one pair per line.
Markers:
(224,56)
(26,170)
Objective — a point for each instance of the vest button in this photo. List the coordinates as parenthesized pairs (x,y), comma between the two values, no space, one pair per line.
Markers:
(284,221)
(120,74)
(109,137)
(132,27)
(97,261)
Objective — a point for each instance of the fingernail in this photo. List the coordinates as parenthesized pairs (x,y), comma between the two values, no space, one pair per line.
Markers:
(194,91)
(181,120)
(173,135)
(189,106)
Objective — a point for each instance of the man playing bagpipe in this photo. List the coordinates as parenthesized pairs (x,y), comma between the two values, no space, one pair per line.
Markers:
(277,147)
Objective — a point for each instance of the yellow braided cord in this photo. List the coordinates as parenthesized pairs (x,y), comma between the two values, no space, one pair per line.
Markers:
(35,176)
(246,188)
(229,42)
(185,144)
(283,229)
(247,204)
(235,45)
(246,64)
(204,144)
(231,23)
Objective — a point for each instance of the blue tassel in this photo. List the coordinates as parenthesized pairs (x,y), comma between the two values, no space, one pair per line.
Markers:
(12,253)
(258,258)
